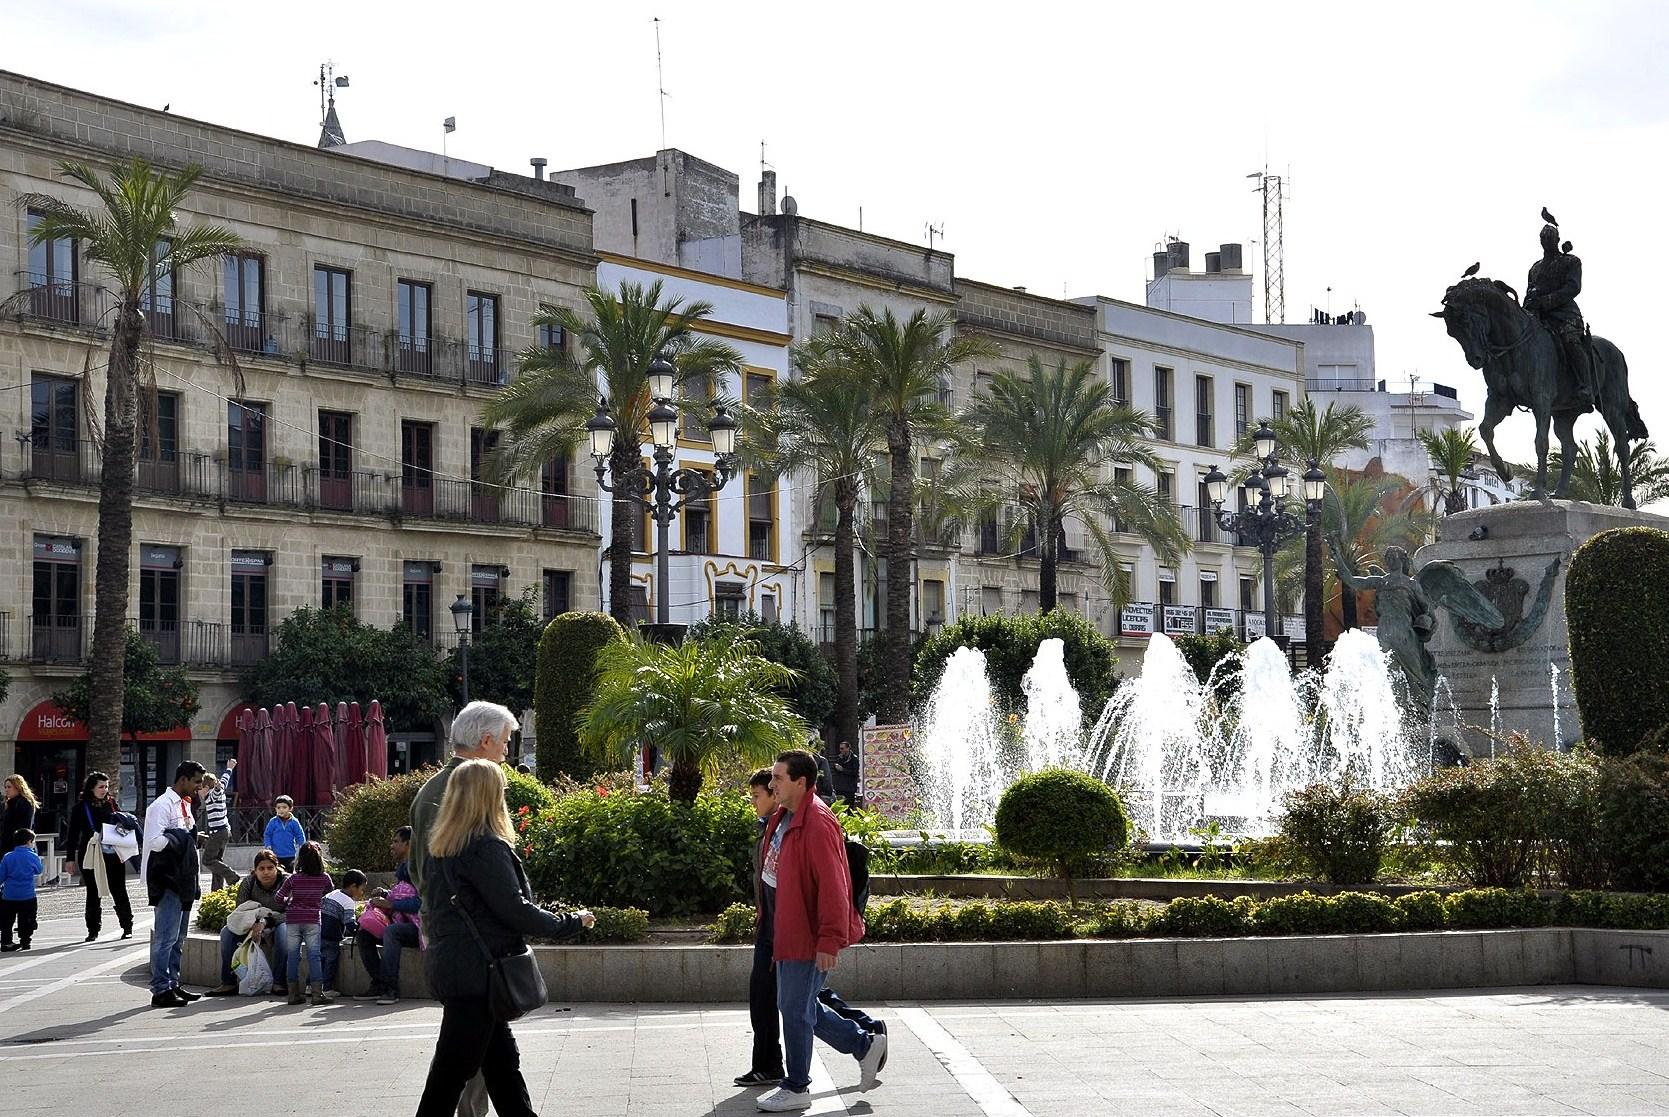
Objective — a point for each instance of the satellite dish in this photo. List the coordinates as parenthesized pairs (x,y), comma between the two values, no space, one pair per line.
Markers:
(789,206)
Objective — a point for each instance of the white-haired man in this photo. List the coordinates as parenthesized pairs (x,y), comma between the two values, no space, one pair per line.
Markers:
(481,731)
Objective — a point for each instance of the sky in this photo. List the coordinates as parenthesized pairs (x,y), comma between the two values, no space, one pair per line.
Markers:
(1057,150)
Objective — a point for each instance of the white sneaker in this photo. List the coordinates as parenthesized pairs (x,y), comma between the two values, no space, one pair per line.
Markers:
(870,1064)
(782,1100)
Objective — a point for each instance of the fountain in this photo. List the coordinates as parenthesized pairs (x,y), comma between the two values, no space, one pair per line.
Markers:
(1182,753)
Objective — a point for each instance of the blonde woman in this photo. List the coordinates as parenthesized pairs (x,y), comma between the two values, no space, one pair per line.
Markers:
(473,865)
(21,806)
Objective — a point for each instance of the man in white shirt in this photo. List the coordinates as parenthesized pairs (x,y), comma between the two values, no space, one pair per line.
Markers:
(170,811)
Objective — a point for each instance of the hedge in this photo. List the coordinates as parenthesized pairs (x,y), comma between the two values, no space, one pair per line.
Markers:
(367,814)
(1616,599)
(1010,644)
(563,683)
(1633,820)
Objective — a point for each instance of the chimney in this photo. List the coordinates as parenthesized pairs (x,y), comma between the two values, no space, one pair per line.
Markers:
(1229,255)
(538,162)
(767,193)
(1161,264)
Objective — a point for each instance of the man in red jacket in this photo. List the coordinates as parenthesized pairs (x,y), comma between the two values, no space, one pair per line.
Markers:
(808,891)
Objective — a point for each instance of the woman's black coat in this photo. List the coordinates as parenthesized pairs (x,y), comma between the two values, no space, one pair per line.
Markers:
(19,815)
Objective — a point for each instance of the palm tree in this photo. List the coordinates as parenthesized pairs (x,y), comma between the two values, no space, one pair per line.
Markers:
(825,424)
(900,364)
(1051,436)
(704,703)
(134,233)
(543,410)
(1596,478)
(1452,451)
(1304,434)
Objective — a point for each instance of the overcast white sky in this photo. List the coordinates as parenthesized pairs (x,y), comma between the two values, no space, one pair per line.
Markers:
(1057,148)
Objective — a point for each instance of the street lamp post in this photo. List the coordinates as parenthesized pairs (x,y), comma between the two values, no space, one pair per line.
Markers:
(1266,517)
(462,610)
(663,490)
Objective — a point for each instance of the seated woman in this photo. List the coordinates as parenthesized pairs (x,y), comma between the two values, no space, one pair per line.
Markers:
(261,886)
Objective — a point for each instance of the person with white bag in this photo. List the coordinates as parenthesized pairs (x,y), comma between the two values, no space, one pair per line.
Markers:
(103,868)
(258,918)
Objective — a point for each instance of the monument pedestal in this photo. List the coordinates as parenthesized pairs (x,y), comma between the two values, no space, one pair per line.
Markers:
(1515,679)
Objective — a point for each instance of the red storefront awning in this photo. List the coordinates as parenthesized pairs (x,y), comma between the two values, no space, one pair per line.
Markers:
(47,723)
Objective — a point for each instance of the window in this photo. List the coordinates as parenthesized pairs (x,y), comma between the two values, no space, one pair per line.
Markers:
(338,582)
(730,599)
(54,428)
(246,451)
(1279,409)
(991,600)
(698,389)
(1164,483)
(159,442)
(759,386)
(1242,409)
(486,590)
(483,497)
(481,335)
(51,276)
(1068,602)
(824,324)
(1030,601)
(553,338)
(1248,596)
(640,605)
(249,606)
(415,353)
(1204,418)
(558,586)
(1167,591)
(700,535)
(825,607)
(158,296)
(762,520)
(336,460)
(1206,527)
(332,314)
(159,600)
(553,493)
(1119,375)
(947,392)
(1124,479)
(417,468)
(982,382)
(933,601)
(1208,592)
(768,608)
(1162,403)
(417,605)
(56,624)
(243,290)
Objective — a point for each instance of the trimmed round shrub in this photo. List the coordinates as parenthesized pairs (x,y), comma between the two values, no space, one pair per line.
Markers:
(563,683)
(365,817)
(1616,599)
(642,851)
(1337,834)
(1634,821)
(1059,815)
(1010,644)
(213,909)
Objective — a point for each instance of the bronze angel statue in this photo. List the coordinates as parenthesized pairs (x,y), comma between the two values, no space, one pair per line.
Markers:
(1407,601)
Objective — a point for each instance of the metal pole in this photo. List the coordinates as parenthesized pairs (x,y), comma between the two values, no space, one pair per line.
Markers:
(1268,548)
(663,525)
(463,654)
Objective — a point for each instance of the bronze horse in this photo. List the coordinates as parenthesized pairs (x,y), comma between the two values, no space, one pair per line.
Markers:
(1522,367)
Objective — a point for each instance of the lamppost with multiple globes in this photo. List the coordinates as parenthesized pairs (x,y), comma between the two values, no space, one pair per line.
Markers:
(1266,518)
(663,490)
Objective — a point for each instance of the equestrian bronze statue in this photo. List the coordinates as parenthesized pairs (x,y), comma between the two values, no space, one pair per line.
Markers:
(1541,356)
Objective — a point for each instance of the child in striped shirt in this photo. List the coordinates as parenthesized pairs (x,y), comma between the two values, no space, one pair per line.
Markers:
(304,892)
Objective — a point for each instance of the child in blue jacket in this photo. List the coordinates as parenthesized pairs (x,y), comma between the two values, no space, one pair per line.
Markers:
(284,835)
(18,870)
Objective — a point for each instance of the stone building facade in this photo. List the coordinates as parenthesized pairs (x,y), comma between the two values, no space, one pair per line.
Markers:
(371,315)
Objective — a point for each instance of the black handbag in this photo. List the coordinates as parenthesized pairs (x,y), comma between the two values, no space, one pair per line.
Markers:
(515,987)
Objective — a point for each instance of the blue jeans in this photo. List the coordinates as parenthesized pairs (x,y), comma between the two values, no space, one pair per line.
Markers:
(394,940)
(274,940)
(857,1015)
(173,919)
(330,947)
(304,935)
(804,1016)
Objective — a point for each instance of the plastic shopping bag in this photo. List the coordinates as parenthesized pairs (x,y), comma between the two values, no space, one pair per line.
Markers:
(249,963)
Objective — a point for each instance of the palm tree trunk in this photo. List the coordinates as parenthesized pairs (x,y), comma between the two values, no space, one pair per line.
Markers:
(846,614)
(1048,556)
(683,782)
(110,586)
(625,458)
(1314,640)
(895,648)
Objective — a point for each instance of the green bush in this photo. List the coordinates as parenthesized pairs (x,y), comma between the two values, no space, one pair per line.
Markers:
(735,924)
(612,925)
(1205,651)
(1337,834)
(1059,814)
(1348,913)
(1121,919)
(1032,920)
(1301,914)
(1204,917)
(816,685)
(365,817)
(562,686)
(1616,599)
(1010,644)
(1622,910)
(524,792)
(213,909)
(1422,911)
(1633,821)
(1482,908)
(643,851)
(1526,813)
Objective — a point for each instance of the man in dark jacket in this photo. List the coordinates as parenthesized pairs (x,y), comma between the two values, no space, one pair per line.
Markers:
(804,863)
(844,766)
(171,882)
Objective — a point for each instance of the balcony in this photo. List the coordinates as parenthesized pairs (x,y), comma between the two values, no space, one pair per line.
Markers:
(414,356)
(1338,384)
(64,461)
(164,636)
(248,645)
(57,638)
(266,483)
(340,345)
(427,497)
(62,301)
(81,463)
(249,331)
(1202,526)
(362,491)
(483,366)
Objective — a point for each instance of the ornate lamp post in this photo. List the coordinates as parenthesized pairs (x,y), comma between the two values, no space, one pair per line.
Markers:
(1266,517)
(462,610)
(663,490)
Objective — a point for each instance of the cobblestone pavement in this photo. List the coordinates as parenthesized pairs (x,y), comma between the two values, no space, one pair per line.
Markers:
(66,1008)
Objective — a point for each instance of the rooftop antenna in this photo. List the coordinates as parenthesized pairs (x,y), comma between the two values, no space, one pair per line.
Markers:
(1273,189)
(932,231)
(660,84)
(329,81)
